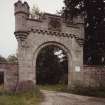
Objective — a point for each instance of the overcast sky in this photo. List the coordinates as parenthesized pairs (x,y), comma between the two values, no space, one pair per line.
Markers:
(8,43)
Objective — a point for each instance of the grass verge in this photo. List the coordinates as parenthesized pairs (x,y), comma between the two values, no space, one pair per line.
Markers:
(88,91)
(33,97)
(57,87)
(78,89)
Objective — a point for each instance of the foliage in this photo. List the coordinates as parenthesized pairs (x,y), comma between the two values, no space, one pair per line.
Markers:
(86,91)
(93,11)
(76,89)
(26,98)
(73,7)
(35,12)
(12,59)
(57,87)
(2,59)
(50,70)
(59,13)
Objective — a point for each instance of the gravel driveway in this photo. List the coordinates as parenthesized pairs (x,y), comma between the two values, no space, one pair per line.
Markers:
(59,98)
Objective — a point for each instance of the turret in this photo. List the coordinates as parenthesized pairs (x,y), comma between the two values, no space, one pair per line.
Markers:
(79,22)
(21,15)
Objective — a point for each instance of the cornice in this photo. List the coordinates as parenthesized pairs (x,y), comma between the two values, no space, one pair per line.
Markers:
(59,34)
(53,33)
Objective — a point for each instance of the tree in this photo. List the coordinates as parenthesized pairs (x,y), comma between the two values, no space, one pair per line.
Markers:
(12,59)
(50,70)
(35,12)
(2,59)
(94,13)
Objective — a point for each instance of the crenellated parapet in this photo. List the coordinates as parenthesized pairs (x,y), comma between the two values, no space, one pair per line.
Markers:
(50,24)
(21,7)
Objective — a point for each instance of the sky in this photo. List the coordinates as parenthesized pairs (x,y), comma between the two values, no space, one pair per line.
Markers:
(8,43)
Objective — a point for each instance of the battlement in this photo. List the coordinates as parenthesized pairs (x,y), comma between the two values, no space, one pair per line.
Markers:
(76,20)
(56,24)
(25,22)
(21,7)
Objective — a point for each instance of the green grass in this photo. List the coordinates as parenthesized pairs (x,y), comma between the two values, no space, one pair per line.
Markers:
(80,90)
(57,87)
(33,97)
(1,88)
(88,91)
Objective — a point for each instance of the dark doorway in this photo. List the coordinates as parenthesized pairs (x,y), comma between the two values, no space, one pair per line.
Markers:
(1,78)
(52,66)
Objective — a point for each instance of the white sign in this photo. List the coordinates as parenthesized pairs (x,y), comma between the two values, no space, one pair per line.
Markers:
(77,69)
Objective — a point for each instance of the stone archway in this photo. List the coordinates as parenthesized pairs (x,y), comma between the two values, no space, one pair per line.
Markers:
(52,66)
(35,33)
(67,51)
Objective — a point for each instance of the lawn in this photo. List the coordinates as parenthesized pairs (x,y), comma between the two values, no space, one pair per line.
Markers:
(33,97)
(80,90)
(57,87)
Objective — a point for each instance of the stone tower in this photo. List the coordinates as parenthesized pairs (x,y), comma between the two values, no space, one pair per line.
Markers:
(21,15)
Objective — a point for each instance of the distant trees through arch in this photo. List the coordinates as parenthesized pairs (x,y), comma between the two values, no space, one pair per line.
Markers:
(52,66)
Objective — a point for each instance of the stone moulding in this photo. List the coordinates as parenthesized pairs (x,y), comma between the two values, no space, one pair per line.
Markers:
(24,34)
(55,33)
(58,34)
(21,35)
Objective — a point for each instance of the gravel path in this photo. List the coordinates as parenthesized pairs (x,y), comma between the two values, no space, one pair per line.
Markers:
(58,98)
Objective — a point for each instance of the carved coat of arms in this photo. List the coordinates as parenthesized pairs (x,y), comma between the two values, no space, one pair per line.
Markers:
(54,24)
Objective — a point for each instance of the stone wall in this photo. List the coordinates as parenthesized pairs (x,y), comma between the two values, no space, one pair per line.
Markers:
(10,75)
(91,76)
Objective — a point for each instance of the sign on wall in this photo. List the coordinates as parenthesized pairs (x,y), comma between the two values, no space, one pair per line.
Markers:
(77,68)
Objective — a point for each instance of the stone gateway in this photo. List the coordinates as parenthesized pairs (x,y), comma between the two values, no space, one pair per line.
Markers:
(35,33)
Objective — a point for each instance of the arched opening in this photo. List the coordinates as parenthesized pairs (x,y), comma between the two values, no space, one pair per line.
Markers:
(52,65)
